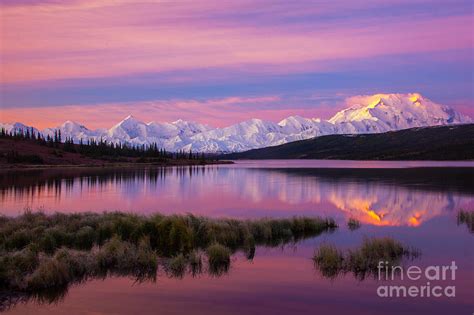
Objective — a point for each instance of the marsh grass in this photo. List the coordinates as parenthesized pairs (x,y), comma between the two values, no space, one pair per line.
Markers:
(180,265)
(195,263)
(329,260)
(364,260)
(40,252)
(168,235)
(177,266)
(218,258)
(467,218)
(353,224)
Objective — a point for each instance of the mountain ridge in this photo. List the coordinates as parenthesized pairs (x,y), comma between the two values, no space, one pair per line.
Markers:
(366,114)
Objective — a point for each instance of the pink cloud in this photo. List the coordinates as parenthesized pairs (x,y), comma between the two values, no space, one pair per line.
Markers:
(215,112)
(107,38)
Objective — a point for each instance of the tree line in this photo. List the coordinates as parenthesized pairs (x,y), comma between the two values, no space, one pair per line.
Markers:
(99,148)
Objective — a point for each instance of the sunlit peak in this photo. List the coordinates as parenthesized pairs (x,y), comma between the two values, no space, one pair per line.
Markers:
(415,98)
(374,103)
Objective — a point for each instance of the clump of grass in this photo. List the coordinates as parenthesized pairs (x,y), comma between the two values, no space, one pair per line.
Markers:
(49,273)
(353,224)
(177,266)
(195,262)
(145,263)
(80,264)
(329,260)
(15,266)
(124,258)
(219,258)
(364,260)
(467,218)
(174,235)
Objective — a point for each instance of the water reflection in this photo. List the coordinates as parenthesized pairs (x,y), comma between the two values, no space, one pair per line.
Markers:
(166,268)
(373,196)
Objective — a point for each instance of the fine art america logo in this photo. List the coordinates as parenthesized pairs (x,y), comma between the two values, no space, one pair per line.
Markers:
(426,275)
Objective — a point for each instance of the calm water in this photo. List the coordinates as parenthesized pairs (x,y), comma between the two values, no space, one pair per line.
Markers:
(414,202)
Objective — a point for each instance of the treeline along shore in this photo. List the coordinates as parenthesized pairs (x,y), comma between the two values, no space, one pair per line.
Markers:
(27,148)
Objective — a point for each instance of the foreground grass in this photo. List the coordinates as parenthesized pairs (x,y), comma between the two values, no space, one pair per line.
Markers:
(362,261)
(168,235)
(44,252)
(467,218)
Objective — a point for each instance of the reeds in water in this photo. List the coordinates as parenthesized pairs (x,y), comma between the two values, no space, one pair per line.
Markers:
(364,260)
(43,252)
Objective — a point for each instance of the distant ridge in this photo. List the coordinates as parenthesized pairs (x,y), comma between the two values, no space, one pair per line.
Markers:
(428,143)
(365,114)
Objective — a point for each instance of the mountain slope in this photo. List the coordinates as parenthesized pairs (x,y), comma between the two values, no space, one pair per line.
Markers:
(365,114)
(429,143)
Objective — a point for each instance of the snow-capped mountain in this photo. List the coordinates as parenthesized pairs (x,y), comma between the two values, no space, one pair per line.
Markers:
(385,112)
(17,127)
(365,114)
(73,130)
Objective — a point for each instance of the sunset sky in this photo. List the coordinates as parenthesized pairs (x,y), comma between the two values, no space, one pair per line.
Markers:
(220,62)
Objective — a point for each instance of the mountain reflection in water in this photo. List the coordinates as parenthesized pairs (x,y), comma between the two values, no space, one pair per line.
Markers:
(407,196)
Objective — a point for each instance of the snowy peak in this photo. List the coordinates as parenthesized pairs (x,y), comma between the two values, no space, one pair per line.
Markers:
(129,122)
(71,127)
(129,128)
(385,112)
(255,125)
(132,130)
(16,127)
(129,119)
(365,114)
(297,124)
(189,128)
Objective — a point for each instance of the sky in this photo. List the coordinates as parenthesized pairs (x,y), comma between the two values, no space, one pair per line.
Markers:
(221,62)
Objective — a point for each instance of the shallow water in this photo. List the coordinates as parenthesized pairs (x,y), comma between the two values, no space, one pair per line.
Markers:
(413,202)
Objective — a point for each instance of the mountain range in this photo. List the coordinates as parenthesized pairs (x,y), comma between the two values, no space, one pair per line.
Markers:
(365,114)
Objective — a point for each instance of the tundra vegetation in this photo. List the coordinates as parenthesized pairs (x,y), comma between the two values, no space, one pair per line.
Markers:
(42,253)
(363,261)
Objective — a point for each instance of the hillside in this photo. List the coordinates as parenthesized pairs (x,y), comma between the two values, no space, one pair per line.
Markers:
(430,143)
(15,152)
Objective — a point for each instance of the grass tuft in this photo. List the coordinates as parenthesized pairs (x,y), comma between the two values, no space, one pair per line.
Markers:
(219,259)
(364,260)
(329,260)
(195,263)
(177,266)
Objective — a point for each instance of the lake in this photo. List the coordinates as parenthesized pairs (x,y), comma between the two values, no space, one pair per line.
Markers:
(414,202)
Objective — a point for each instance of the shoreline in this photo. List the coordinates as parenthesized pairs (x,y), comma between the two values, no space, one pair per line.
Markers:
(22,167)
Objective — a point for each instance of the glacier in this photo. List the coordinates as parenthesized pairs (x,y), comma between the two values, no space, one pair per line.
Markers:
(365,114)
